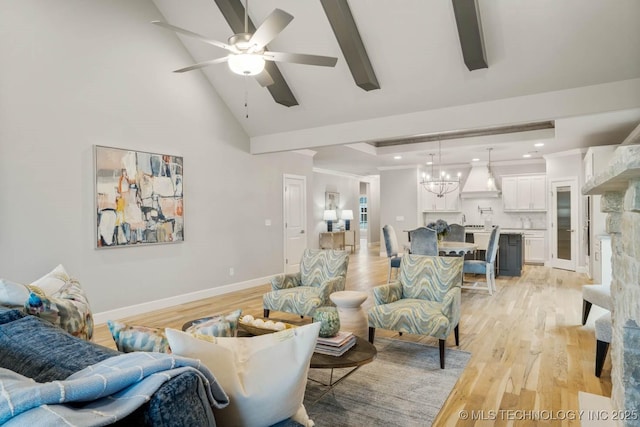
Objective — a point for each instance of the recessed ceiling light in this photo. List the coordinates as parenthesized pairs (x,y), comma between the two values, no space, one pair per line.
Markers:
(397,157)
(526,155)
(475,160)
(539,144)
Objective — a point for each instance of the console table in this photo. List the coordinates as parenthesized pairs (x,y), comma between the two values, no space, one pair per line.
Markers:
(332,240)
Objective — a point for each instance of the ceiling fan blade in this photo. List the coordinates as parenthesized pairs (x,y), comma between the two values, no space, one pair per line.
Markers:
(202,64)
(264,79)
(270,28)
(194,35)
(301,58)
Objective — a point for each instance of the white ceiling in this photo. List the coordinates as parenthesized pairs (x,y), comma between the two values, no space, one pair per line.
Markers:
(532,47)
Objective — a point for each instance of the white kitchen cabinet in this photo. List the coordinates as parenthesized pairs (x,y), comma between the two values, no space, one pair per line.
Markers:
(534,251)
(449,202)
(524,193)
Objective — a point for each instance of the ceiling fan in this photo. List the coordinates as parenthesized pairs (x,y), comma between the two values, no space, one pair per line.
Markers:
(247,53)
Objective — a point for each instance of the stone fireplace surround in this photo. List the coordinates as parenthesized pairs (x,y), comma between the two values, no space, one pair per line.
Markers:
(620,187)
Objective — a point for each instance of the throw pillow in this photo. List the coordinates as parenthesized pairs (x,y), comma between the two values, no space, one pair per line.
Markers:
(265,376)
(53,281)
(138,338)
(67,308)
(12,294)
(216,326)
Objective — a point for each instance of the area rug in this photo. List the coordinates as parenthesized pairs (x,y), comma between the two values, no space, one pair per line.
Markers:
(403,386)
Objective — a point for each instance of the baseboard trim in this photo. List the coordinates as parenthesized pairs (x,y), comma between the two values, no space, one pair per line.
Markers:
(146,307)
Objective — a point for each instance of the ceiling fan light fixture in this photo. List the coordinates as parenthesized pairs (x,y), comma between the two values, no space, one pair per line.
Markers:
(246,64)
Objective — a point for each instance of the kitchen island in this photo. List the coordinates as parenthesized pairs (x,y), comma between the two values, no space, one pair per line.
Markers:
(510,251)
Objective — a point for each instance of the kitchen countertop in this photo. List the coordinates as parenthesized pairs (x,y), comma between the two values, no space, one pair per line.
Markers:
(504,230)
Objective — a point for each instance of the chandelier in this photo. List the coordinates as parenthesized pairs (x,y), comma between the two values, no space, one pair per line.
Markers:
(441,183)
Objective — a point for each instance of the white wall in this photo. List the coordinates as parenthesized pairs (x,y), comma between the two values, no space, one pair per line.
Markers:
(78,73)
(399,203)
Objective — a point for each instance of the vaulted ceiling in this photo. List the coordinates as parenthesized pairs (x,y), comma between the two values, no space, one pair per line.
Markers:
(536,51)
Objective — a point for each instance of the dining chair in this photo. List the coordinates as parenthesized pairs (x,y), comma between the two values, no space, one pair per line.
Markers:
(481,240)
(456,233)
(391,244)
(424,241)
(486,266)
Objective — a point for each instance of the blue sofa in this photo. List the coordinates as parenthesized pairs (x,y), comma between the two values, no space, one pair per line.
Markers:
(36,349)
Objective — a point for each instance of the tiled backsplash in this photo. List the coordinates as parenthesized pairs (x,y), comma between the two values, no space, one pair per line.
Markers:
(471,211)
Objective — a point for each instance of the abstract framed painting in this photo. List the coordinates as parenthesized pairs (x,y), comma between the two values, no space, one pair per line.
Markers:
(331,200)
(139,198)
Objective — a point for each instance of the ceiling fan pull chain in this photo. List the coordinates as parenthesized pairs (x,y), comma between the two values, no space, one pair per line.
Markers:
(246,99)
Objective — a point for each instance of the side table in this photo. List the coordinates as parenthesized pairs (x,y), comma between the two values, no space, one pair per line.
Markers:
(352,316)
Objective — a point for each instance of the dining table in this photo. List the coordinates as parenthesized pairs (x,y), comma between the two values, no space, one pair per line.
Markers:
(456,248)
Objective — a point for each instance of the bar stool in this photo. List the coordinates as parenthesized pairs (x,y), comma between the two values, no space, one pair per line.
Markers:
(603,338)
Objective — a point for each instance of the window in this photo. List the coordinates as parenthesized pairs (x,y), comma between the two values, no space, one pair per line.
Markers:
(363,213)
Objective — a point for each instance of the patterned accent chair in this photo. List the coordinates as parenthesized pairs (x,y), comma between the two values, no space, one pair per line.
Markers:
(424,301)
(322,272)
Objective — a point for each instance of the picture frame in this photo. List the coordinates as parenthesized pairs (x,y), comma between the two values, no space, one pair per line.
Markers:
(139,198)
(331,200)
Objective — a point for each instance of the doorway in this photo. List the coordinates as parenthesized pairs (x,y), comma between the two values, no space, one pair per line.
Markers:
(294,221)
(363,214)
(564,223)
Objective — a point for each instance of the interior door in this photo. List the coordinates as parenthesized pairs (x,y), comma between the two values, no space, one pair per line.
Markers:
(564,224)
(295,220)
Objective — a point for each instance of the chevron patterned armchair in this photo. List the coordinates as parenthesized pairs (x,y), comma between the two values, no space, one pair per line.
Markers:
(425,300)
(322,272)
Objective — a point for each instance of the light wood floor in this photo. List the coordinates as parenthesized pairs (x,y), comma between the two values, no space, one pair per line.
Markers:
(529,349)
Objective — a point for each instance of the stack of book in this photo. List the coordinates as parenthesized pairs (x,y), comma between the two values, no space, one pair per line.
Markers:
(336,346)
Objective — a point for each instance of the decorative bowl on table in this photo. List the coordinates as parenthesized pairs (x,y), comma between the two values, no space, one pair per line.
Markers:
(260,326)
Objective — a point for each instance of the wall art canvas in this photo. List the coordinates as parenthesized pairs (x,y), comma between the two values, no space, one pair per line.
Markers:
(331,200)
(139,198)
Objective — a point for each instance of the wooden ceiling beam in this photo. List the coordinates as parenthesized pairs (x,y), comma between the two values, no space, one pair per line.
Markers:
(344,27)
(470,32)
(233,12)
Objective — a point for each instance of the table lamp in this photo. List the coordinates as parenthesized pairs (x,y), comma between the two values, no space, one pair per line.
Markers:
(330,216)
(347,216)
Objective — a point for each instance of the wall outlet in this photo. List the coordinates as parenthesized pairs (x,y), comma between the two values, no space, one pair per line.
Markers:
(399,218)
(231,271)
(267,222)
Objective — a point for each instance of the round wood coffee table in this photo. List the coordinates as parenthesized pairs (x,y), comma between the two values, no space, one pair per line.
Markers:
(360,354)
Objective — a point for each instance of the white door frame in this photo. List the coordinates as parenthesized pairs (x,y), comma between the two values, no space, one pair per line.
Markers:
(572,183)
(287,266)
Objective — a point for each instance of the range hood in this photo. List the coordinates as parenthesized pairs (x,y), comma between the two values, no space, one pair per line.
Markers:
(476,186)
